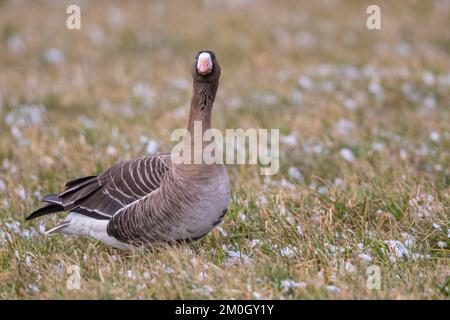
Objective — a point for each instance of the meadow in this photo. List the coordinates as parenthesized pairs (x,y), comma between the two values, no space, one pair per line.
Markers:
(364,115)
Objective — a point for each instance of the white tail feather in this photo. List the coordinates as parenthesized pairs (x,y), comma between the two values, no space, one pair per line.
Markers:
(80,225)
(57,228)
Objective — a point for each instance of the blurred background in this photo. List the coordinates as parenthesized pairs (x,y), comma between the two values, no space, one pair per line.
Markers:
(363,114)
(310,68)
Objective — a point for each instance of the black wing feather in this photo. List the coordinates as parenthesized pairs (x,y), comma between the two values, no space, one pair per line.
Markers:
(48,209)
(75,182)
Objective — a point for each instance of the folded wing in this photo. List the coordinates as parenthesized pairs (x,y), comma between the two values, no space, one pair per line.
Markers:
(100,197)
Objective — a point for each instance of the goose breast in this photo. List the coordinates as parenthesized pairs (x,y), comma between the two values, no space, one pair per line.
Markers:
(181,209)
(212,202)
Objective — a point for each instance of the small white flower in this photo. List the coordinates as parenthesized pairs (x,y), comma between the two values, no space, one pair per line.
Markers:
(261,200)
(305,82)
(58,268)
(33,288)
(290,140)
(256,295)
(28,261)
(54,56)
(202,275)
(339,183)
(152,147)
(410,241)
(111,151)
(442,244)
(349,104)
(436,226)
(429,102)
(403,154)
(435,136)
(398,249)
(322,190)
(378,146)
(207,289)
(347,154)
(295,174)
(286,184)
(287,284)
(287,251)
(333,289)
(236,257)
(42,227)
(344,127)
(168,270)
(290,219)
(365,257)
(143,139)
(428,78)
(417,257)
(222,232)
(26,233)
(331,247)
(253,243)
(317,149)
(299,230)
(349,267)
(20,191)
(377,90)
(2,237)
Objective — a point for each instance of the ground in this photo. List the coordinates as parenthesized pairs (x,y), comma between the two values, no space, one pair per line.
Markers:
(364,183)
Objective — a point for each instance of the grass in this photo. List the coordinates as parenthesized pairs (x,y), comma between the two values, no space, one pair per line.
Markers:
(311,69)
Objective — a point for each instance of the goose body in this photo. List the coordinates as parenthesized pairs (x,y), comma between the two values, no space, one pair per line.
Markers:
(150,199)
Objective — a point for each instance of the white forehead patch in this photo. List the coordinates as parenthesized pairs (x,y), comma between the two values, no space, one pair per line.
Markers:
(204,55)
(204,63)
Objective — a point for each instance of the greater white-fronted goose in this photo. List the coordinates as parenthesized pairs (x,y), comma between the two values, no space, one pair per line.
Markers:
(150,199)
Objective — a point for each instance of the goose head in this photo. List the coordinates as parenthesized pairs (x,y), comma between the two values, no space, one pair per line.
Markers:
(206,68)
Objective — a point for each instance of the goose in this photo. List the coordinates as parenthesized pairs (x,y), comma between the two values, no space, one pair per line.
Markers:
(151,198)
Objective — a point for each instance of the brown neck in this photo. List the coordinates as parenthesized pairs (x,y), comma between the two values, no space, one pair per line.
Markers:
(201,108)
(203,96)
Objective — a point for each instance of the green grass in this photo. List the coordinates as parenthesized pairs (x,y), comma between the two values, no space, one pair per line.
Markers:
(311,69)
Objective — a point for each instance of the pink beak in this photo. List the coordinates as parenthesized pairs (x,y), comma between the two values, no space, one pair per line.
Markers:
(204,63)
